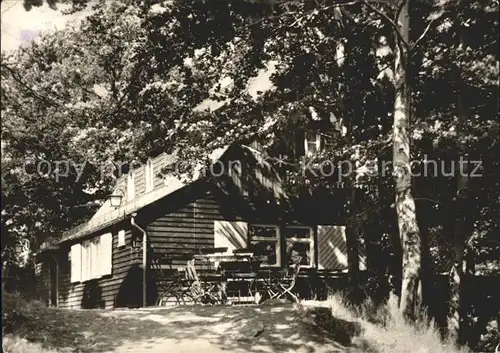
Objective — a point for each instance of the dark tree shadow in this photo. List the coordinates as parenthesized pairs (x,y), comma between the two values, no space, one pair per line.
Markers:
(92,296)
(130,292)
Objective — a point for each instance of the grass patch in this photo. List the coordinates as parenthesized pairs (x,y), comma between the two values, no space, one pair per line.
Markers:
(31,326)
(385,331)
(16,344)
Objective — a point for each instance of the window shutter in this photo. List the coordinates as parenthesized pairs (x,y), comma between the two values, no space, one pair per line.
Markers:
(149,175)
(322,142)
(98,257)
(102,257)
(307,150)
(299,143)
(76,263)
(95,258)
(107,253)
(121,238)
(332,247)
(38,269)
(232,235)
(83,262)
(88,247)
(91,262)
(86,261)
(92,259)
(130,186)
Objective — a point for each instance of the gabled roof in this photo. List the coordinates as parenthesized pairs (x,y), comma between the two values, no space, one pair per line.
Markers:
(164,184)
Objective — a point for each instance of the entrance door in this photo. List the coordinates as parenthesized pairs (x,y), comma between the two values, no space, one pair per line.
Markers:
(53,282)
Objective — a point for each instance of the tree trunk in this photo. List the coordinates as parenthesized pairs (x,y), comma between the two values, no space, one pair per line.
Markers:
(426,269)
(405,203)
(456,315)
(455,318)
(352,246)
(351,233)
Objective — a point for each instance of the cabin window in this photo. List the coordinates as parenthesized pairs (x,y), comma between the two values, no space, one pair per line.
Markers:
(91,259)
(265,240)
(236,174)
(149,176)
(121,238)
(38,268)
(299,245)
(130,186)
(327,141)
(312,143)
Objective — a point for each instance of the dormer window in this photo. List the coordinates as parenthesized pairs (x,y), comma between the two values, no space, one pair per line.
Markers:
(130,186)
(149,176)
(314,138)
(312,143)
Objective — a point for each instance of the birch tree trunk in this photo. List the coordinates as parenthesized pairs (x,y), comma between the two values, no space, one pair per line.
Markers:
(405,203)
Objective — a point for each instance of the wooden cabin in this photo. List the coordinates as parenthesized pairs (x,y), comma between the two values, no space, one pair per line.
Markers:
(237,202)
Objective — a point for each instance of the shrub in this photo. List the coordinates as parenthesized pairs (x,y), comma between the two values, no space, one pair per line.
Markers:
(342,331)
(386,330)
(15,311)
(25,318)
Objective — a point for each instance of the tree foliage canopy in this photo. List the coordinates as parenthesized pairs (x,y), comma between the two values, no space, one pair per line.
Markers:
(137,78)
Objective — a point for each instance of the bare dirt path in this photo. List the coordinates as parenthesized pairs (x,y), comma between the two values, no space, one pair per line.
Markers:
(193,329)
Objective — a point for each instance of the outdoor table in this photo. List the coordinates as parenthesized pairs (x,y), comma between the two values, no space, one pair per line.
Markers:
(243,255)
(224,257)
(243,251)
(206,251)
(240,266)
(212,283)
(241,270)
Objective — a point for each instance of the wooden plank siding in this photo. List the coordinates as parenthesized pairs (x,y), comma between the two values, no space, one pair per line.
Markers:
(140,180)
(118,289)
(185,230)
(184,222)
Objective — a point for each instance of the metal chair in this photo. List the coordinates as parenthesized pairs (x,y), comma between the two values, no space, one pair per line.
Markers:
(203,289)
(173,282)
(288,284)
(281,283)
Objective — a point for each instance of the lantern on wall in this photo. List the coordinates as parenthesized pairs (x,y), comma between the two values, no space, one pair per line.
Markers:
(115,199)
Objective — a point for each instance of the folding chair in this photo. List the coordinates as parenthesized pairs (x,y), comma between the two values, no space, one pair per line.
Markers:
(172,290)
(202,291)
(285,287)
(270,283)
(168,279)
